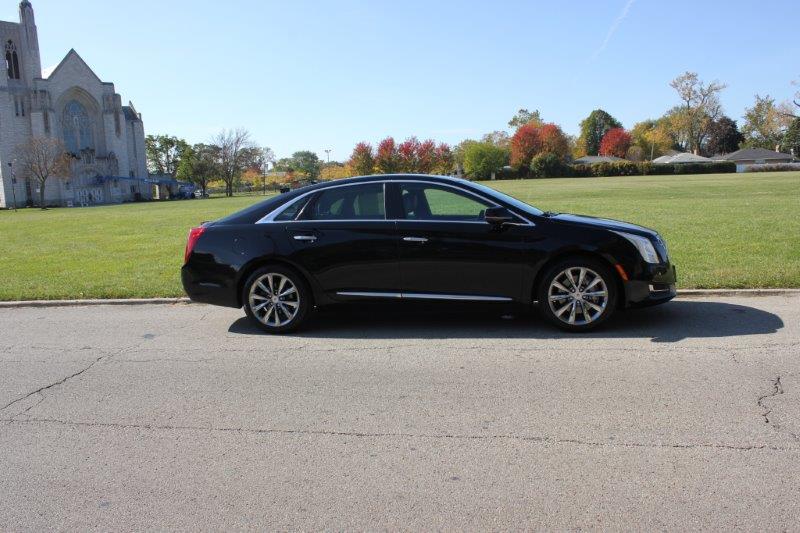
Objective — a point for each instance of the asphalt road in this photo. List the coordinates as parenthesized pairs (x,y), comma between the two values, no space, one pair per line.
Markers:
(185,417)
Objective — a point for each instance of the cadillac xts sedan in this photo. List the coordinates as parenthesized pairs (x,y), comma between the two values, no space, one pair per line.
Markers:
(421,238)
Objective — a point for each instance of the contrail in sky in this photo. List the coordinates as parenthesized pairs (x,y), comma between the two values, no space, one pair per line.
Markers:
(613,29)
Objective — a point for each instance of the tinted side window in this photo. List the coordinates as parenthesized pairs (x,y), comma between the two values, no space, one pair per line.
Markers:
(355,202)
(430,202)
(291,212)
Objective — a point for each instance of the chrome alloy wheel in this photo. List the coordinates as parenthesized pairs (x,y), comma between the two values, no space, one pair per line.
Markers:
(578,296)
(274,299)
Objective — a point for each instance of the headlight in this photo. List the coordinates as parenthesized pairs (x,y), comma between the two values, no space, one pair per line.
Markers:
(643,244)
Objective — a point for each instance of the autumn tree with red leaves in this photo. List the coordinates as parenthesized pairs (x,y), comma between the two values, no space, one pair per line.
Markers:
(443,159)
(362,161)
(426,156)
(525,144)
(408,155)
(387,159)
(533,139)
(553,140)
(615,142)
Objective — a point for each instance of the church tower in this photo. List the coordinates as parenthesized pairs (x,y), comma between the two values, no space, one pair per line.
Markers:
(31,62)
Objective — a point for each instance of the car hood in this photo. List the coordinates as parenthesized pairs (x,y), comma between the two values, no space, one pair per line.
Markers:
(604,223)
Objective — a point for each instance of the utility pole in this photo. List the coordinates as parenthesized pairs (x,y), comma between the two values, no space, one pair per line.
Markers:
(328,153)
(13,185)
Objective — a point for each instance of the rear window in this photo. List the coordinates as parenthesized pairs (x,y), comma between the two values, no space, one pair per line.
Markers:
(254,213)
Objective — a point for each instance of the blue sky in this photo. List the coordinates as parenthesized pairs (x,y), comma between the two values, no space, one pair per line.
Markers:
(316,75)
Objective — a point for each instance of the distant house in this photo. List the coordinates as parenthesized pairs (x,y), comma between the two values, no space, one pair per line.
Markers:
(592,159)
(756,156)
(680,158)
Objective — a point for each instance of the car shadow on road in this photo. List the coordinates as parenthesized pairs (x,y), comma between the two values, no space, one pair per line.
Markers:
(671,322)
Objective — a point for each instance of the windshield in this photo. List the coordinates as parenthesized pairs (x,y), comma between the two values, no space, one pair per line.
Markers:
(519,204)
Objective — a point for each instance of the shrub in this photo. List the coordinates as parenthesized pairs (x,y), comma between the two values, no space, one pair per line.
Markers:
(617,168)
(507,173)
(777,167)
(645,168)
(662,170)
(549,165)
(581,170)
(704,168)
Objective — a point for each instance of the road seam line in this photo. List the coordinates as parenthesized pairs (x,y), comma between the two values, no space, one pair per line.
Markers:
(543,440)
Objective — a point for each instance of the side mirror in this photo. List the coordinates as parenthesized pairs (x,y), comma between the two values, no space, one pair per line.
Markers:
(497,216)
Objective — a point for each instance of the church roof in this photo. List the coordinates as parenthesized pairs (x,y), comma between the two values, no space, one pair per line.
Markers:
(73,55)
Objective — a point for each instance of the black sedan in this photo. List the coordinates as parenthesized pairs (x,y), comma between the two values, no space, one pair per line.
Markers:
(421,238)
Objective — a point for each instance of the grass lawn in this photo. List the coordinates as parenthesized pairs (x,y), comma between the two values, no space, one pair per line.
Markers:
(723,230)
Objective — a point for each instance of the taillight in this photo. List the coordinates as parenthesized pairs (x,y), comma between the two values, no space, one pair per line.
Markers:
(194,234)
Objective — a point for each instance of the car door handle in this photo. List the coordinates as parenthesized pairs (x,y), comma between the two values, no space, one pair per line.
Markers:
(307,238)
(415,239)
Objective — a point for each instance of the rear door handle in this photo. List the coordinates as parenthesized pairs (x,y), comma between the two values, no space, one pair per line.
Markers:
(307,238)
(415,239)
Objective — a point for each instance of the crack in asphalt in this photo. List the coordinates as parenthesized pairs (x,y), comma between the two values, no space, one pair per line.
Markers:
(359,434)
(61,381)
(777,388)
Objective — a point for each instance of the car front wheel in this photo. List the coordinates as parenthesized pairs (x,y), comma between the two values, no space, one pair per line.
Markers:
(276,299)
(577,294)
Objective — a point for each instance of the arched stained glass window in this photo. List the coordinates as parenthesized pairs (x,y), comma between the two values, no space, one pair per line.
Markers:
(77,127)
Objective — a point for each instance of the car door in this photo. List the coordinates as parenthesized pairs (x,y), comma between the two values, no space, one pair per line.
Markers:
(447,250)
(343,239)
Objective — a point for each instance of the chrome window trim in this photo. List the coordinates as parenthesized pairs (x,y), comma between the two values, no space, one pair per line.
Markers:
(270,217)
(424,296)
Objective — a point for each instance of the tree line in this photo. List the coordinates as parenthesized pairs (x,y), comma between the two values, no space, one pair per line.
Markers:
(696,123)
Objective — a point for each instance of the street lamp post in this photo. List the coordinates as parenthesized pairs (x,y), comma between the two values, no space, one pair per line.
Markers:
(13,185)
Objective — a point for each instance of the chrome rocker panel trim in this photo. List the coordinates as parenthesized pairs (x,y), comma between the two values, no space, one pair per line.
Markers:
(423,296)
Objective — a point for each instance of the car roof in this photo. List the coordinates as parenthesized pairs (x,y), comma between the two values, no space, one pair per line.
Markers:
(382,177)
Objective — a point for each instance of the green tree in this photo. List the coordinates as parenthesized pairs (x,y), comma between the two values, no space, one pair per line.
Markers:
(791,139)
(199,165)
(523,117)
(593,128)
(481,159)
(765,124)
(307,162)
(724,136)
(164,153)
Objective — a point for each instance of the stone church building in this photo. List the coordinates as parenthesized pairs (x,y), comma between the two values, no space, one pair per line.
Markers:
(104,137)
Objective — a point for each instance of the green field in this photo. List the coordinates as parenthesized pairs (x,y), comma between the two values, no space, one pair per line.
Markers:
(723,230)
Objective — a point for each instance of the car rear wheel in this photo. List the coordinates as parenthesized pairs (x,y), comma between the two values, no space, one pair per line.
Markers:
(577,294)
(276,299)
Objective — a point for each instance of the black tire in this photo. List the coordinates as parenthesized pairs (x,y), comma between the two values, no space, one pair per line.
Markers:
(584,303)
(279,319)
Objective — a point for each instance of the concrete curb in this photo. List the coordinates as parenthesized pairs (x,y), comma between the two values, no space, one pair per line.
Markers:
(688,293)
(71,303)
(700,293)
